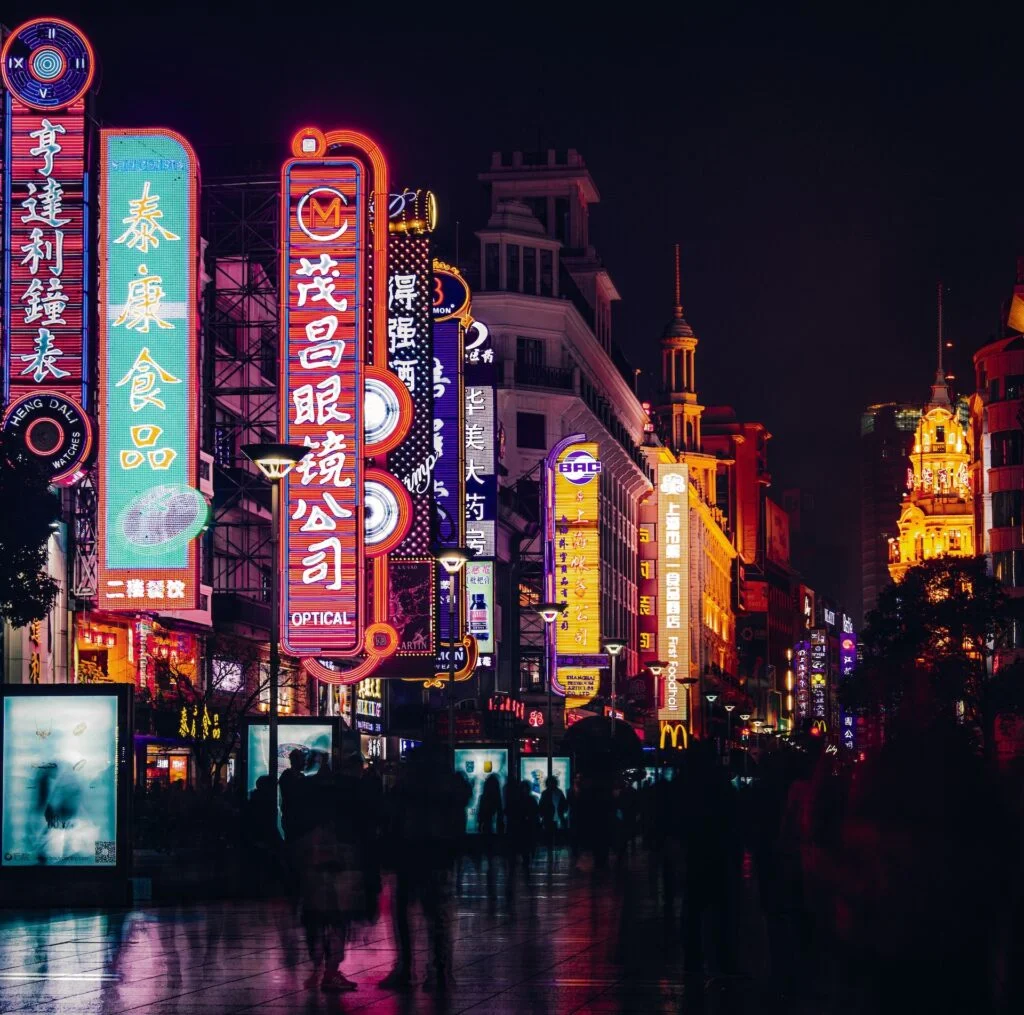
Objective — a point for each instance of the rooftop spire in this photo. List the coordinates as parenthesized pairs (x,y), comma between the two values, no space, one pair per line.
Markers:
(678,326)
(679,298)
(940,392)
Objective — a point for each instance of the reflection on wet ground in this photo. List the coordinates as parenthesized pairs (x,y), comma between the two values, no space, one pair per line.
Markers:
(572,941)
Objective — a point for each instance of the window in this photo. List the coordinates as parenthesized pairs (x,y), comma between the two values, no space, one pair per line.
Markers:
(531,430)
(492,278)
(530,270)
(1007,448)
(529,352)
(1014,387)
(993,390)
(940,435)
(539,207)
(512,267)
(1006,509)
(562,220)
(547,273)
(1008,568)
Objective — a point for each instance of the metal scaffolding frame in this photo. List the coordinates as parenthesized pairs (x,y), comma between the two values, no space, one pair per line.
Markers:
(241,230)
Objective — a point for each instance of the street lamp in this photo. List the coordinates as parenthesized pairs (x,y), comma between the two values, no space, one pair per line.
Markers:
(728,729)
(549,613)
(275,461)
(710,697)
(657,667)
(453,560)
(613,646)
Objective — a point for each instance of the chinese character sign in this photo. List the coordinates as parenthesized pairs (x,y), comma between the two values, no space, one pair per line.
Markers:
(847,664)
(448,476)
(802,666)
(647,584)
(577,566)
(323,310)
(479,439)
(411,358)
(673,588)
(818,665)
(149,510)
(44,253)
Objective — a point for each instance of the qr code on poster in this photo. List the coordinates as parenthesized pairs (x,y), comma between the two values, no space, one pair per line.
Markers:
(106,851)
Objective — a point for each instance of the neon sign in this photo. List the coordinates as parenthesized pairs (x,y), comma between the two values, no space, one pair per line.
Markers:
(674,588)
(576,567)
(47,67)
(149,509)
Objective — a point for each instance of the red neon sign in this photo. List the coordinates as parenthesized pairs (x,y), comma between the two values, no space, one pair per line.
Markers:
(536,718)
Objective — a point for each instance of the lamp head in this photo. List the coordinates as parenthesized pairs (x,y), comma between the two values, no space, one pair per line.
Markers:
(614,646)
(657,667)
(549,612)
(275,461)
(712,697)
(745,716)
(451,558)
(728,708)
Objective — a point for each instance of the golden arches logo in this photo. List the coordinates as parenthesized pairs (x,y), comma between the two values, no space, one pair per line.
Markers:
(672,731)
(820,725)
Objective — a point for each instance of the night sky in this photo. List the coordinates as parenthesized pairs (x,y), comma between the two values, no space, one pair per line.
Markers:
(820,179)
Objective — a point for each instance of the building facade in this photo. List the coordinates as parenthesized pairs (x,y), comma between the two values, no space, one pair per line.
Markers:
(546,298)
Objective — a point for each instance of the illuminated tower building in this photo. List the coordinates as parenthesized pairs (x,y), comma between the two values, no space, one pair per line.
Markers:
(937,517)
(712,623)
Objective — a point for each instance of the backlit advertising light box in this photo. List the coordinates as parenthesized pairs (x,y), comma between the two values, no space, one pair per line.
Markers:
(476,765)
(66,771)
(533,770)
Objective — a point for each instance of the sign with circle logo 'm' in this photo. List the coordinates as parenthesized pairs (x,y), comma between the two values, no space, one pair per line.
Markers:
(54,430)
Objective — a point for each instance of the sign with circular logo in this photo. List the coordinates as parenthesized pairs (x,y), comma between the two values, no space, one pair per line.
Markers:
(579,467)
(47,64)
(54,430)
(451,294)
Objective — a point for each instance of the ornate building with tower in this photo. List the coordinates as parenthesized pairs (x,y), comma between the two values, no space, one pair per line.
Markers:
(937,516)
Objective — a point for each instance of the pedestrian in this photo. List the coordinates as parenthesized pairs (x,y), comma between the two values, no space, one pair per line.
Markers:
(553,810)
(290,785)
(329,880)
(521,822)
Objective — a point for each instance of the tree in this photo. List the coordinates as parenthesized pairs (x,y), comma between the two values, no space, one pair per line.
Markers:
(27,592)
(212,712)
(928,646)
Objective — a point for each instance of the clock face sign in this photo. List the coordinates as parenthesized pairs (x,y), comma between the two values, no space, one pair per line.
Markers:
(47,64)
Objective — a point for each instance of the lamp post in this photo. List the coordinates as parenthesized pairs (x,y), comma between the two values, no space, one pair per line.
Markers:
(453,560)
(745,718)
(657,668)
(275,461)
(549,613)
(613,646)
(728,729)
(710,697)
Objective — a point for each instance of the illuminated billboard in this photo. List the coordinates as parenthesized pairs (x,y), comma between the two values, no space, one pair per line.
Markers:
(150,511)
(847,664)
(818,664)
(480,604)
(47,70)
(674,588)
(577,568)
(65,775)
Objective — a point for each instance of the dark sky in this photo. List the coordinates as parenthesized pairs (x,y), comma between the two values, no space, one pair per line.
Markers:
(821,178)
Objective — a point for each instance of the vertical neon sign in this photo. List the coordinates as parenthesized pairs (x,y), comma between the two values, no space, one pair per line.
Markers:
(325,211)
(149,510)
(674,588)
(47,69)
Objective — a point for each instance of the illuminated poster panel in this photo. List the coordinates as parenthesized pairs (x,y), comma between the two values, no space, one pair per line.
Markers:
(577,567)
(60,779)
(674,589)
(476,765)
(647,586)
(149,509)
(802,668)
(47,69)
(533,770)
(480,604)
(323,312)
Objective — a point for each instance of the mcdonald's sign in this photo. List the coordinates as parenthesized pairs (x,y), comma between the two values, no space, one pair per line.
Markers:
(820,726)
(672,731)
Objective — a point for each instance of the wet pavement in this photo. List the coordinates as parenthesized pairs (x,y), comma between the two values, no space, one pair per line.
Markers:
(576,941)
